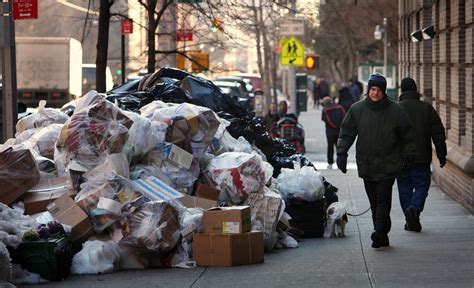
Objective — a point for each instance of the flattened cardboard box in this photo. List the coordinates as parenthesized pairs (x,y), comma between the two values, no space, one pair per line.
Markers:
(193,202)
(227,220)
(36,202)
(207,192)
(228,250)
(67,212)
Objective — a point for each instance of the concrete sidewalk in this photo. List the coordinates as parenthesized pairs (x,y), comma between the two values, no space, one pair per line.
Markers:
(442,255)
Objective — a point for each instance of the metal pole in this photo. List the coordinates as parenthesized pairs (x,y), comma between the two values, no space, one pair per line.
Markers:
(9,93)
(385,43)
(292,73)
(123,58)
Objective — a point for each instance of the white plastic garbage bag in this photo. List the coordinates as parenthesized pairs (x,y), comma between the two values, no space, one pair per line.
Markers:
(303,183)
(96,257)
(43,118)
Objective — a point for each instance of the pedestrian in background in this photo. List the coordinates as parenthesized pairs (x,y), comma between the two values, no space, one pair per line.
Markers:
(385,143)
(355,92)
(332,116)
(345,98)
(316,93)
(414,182)
(271,118)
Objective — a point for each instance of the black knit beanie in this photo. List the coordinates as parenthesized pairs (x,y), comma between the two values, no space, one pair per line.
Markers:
(408,84)
(379,81)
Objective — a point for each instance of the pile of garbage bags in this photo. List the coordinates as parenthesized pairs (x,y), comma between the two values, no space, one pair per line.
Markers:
(128,157)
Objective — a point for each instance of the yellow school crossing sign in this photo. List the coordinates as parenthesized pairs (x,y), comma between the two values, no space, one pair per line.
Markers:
(292,51)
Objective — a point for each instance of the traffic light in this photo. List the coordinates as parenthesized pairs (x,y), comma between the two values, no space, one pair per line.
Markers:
(119,72)
(312,62)
(216,25)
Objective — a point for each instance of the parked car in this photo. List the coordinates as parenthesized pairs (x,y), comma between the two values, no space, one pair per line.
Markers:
(234,89)
(239,80)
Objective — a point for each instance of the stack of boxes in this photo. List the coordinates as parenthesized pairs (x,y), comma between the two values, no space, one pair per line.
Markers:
(228,239)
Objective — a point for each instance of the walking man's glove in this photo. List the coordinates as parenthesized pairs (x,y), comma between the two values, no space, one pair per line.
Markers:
(341,162)
(442,161)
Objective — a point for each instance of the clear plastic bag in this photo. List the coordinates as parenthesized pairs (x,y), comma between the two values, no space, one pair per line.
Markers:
(238,174)
(154,226)
(191,221)
(44,139)
(106,201)
(91,132)
(150,108)
(304,184)
(43,118)
(144,135)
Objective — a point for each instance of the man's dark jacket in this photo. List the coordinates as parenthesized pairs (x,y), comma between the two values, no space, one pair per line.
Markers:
(427,125)
(384,134)
(332,115)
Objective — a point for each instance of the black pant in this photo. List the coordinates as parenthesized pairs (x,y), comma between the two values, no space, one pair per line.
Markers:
(331,136)
(380,198)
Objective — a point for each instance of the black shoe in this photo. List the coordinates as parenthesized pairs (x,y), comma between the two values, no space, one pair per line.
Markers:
(413,219)
(379,240)
(407,227)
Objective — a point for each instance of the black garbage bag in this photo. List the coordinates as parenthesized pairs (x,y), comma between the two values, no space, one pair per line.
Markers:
(132,101)
(168,92)
(310,217)
(173,73)
(204,93)
(279,162)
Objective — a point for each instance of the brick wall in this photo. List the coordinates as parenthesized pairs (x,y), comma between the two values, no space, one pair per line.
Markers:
(444,68)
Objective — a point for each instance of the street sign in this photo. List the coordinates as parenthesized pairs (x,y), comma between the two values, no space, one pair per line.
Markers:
(127,26)
(292,52)
(184,35)
(291,27)
(25,9)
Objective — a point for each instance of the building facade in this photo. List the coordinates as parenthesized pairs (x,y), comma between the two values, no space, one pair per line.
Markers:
(443,69)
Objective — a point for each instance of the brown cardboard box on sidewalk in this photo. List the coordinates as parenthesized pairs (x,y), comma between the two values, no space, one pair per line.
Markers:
(227,220)
(228,250)
(67,212)
(207,192)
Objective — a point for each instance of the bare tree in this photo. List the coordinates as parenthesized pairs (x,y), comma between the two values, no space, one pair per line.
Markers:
(102,44)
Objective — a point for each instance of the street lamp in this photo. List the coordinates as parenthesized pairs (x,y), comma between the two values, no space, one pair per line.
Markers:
(379,33)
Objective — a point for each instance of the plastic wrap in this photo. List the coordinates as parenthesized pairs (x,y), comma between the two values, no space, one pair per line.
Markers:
(148,110)
(154,226)
(18,173)
(191,221)
(44,140)
(91,132)
(303,184)
(143,136)
(43,118)
(106,201)
(131,101)
(238,174)
(96,257)
(192,128)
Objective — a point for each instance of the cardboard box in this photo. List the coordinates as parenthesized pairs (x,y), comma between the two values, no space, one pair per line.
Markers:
(36,202)
(67,212)
(227,220)
(18,174)
(207,192)
(177,155)
(193,202)
(46,191)
(266,209)
(228,250)
(156,189)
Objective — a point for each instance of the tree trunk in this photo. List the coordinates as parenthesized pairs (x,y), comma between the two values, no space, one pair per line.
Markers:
(102,45)
(152,24)
(258,39)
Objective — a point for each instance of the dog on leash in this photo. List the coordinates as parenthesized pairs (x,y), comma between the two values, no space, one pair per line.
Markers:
(336,216)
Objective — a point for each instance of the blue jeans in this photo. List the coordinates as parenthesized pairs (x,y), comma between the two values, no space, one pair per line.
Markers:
(413,185)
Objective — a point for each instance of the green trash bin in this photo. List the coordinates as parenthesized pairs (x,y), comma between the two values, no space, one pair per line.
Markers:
(51,258)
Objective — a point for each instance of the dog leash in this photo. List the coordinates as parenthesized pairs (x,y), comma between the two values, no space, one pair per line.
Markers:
(356,215)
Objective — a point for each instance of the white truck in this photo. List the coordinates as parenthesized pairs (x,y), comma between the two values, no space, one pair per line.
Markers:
(48,68)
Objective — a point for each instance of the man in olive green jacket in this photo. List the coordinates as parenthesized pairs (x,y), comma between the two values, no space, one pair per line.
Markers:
(385,143)
(414,182)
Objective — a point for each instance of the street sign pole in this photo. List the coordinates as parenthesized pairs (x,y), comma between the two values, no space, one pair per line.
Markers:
(122,54)
(292,76)
(9,109)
